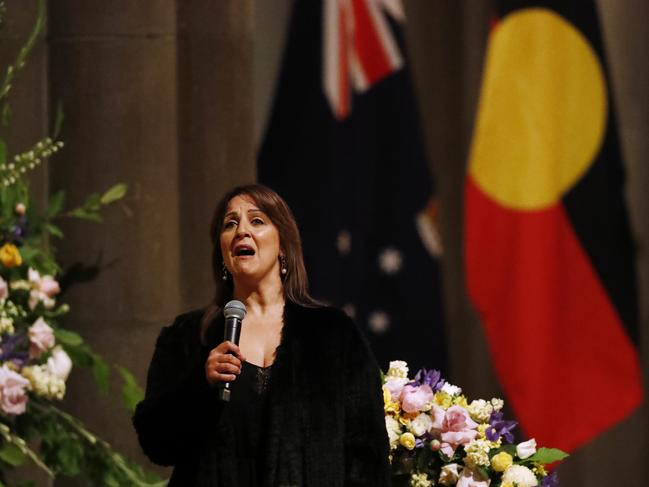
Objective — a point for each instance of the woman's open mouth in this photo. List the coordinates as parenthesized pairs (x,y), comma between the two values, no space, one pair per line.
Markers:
(244,251)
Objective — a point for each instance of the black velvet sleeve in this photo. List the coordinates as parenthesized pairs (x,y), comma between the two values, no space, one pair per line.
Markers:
(366,440)
(178,405)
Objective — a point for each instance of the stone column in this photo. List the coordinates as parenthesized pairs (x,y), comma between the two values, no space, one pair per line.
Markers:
(113,67)
(215,131)
(157,94)
(28,96)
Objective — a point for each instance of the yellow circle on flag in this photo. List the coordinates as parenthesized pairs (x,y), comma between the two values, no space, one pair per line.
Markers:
(542,112)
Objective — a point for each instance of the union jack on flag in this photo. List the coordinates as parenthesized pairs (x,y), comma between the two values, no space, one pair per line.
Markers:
(359,48)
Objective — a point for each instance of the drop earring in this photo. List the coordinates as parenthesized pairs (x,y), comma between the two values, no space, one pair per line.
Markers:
(282,264)
(225,272)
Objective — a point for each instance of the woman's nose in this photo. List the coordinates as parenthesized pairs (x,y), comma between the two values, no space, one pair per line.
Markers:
(243,228)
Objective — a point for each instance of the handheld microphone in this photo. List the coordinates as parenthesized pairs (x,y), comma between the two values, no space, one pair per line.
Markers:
(234,313)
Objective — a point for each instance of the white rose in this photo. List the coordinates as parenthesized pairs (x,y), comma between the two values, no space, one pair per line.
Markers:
(449,474)
(420,480)
(421,424)
(480,410)
(526,449)
(398,368)
(451,390)
(520,476)
(59,363)
(394,431)
(497,403)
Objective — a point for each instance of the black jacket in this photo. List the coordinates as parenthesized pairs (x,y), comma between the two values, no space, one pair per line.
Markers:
(326,424)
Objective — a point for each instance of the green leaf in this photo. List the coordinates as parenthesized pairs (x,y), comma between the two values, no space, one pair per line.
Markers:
(547,455)
(101,372)
(81,355)
(56,204)
(27,252)
(113,194)
(6,114)
(84,214)
(53,229)
(3,152)
(132,393)
(13,455)
(68,337)
(93,202)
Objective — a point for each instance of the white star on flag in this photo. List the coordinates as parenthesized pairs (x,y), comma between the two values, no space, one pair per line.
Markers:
(391,261)
(379,321)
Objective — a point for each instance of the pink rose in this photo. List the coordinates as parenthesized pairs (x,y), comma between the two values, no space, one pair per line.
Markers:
(43,289)
(49,286)
(41,338)
(395,386)
(455,427)
(415,398)
(438,414)
(471,479)
(13,394)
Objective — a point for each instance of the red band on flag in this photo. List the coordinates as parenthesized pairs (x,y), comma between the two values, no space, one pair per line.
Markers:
(370,50)
(556,340)
(344,86)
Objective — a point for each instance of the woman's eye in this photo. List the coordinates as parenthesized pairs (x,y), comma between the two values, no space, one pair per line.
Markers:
(229,224)
(257,221)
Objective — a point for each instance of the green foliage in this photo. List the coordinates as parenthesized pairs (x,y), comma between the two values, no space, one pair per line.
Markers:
(44,435)
(548,455)
(11,454)
(132,393)
(73,451)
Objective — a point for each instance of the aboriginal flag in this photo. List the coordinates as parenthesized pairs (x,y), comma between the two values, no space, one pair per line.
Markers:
(548,248)
(343,147)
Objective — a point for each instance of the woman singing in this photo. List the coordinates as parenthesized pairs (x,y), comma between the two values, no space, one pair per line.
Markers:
(306,407)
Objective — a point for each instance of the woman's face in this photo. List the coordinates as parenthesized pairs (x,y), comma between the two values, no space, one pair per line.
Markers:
(249,241)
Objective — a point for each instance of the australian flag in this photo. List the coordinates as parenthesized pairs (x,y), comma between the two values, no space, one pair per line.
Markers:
(343,147)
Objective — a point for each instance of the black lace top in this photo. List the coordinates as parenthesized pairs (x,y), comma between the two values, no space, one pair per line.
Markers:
(248,406)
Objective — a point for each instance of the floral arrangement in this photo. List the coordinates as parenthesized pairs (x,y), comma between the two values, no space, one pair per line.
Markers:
(36,352)
(438,437)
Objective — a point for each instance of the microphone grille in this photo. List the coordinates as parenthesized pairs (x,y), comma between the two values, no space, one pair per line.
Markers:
(235,309)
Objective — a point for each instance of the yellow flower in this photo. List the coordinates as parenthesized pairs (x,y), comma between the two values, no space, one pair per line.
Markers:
(10,256)
(502,461)
(506,484)
(461,401)
(388,405)
(387,397)
(443,399)
(539,469)
(407,441)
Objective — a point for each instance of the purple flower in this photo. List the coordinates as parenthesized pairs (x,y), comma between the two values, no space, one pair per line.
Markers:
(551,480)
(8,346)
(499,427)
(431,378)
